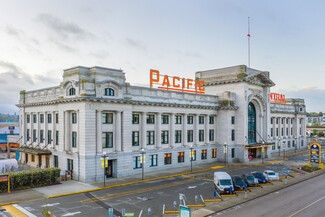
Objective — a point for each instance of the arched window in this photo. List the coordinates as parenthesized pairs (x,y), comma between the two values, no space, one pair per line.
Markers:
(251,123)
(72,91)
(109,92)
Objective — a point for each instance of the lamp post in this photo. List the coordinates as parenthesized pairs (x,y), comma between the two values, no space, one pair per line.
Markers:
(191,156)
(263,153)
(295,142)
(142,152)
(284,149)
(225,151)
(103,157)
(279,146)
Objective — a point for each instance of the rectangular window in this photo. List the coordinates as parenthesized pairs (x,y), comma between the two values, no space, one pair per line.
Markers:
(28,134)
(135,118)
(194,156)
(150,119)
(34,119)
(74,139)
(201,119)
(277,132)
(178,136)
(287,131)
(232,119)
(271,120)
(49,137)
(271,132)
(41,118)
(232,152)
(164,119)
(273,147)
(180,157)
(74,118)
(56,161)
(190,136)
(281,131)
(33,158)
(287,121)
(281,120)
(291,120)
(211,120)
(277,120)
(232,135)
(136,162)
(214,153)
(211,135)
(135,138)
(107,118)
(302,142)
(291,131)
(300,131)
(203,154)
(164,137)
(168,158)
(107,139)
(178,119)
(49,118)
(28,118)
(56,137)
(289,144)
(189,119)
(41,135)
(153,160)
(201,135)
(150,137)
(57,118)
(70,164)
(34,136)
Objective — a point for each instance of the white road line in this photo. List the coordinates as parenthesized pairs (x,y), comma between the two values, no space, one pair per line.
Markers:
(71,213)
(307,206)
(51,204)
(23,210)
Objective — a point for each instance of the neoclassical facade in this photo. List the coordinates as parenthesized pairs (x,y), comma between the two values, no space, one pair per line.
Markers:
(94,110)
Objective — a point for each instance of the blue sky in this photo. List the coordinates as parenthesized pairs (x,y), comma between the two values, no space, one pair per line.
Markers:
(41,38)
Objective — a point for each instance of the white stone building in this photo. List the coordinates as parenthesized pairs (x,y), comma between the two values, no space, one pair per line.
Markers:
(94,110)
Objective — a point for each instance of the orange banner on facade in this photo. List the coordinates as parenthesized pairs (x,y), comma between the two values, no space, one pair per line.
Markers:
(277,98)
(176,83)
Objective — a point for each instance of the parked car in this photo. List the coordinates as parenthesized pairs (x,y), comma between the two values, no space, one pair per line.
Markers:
(271,175)
(238,183)
(250,180)
(260,177)
(223,183)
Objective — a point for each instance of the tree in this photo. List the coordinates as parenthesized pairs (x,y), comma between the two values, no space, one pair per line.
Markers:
(314,132)
(320,114)
(320,134)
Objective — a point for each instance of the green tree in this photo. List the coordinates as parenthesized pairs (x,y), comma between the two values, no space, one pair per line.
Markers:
(314,132)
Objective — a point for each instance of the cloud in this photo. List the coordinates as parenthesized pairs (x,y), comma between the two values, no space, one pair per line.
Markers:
(135,43)
(13,79)
(63,29)
(189,54)
(63,46)
(309,87)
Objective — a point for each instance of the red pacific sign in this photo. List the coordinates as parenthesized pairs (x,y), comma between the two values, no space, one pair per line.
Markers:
(277,98)
(176,83)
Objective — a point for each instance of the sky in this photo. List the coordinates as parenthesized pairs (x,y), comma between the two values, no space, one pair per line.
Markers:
(39,39)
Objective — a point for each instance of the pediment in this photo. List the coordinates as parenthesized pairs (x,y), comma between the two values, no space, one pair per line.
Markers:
(260,79)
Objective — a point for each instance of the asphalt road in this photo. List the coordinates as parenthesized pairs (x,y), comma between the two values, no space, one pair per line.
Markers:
(303,199)
(141,196)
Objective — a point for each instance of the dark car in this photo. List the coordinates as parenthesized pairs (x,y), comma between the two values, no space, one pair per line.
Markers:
(238,183)
(250,180)
(260,177)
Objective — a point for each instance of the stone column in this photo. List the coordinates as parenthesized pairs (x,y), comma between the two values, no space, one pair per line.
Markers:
(195,129)
(206,129)
(67,136)
(143,130)
(99,131)
(172,130)
(184,134)
(158,130)
(284,128)
(118,131)
(274,128)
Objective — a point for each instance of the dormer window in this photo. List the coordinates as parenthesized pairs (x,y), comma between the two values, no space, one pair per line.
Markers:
(72,91)
(109,92)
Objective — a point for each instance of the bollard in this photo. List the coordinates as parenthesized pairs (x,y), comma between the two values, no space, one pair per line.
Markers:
(163,212)
(214,193)
(149,211)
(285,180)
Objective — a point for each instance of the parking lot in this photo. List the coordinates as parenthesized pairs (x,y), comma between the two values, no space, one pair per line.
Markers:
(155,195)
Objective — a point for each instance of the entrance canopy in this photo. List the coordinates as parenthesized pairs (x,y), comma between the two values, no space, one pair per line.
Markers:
(34,151)
(258,145)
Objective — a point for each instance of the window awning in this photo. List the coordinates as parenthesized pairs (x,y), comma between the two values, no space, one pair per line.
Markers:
(34,151)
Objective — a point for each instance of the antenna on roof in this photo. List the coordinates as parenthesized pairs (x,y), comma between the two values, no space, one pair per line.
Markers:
(249,44)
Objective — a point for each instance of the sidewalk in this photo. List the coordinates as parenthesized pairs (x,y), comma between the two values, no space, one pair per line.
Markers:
(71,187)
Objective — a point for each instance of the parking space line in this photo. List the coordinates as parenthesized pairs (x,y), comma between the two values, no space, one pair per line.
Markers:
(127,193)
(210,180)
(212,200)
(199,205)
(171,212)
(256,187)
(228,195)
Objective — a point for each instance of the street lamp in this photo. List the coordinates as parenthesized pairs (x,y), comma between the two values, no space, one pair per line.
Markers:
(295,142)
(225,151)
(263,152)
(284,149)
(191,155)
(143,152)
(103,157)
(279,146)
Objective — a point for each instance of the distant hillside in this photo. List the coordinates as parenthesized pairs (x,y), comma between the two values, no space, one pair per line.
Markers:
(8,117)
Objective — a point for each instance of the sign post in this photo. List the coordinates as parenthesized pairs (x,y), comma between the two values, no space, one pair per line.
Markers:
(315,154)
(6,178)
(184,211)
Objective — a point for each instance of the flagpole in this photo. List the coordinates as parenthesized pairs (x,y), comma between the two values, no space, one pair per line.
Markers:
(249,45)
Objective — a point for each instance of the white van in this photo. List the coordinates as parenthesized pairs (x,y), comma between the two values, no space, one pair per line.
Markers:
(223,183)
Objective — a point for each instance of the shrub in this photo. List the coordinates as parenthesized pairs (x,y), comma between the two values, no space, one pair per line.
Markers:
(31,178)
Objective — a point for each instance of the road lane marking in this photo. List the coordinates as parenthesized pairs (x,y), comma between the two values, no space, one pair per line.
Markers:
(191,177)
(18,211)
(71,213)
(53,204)
(307,206)
(127,193)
